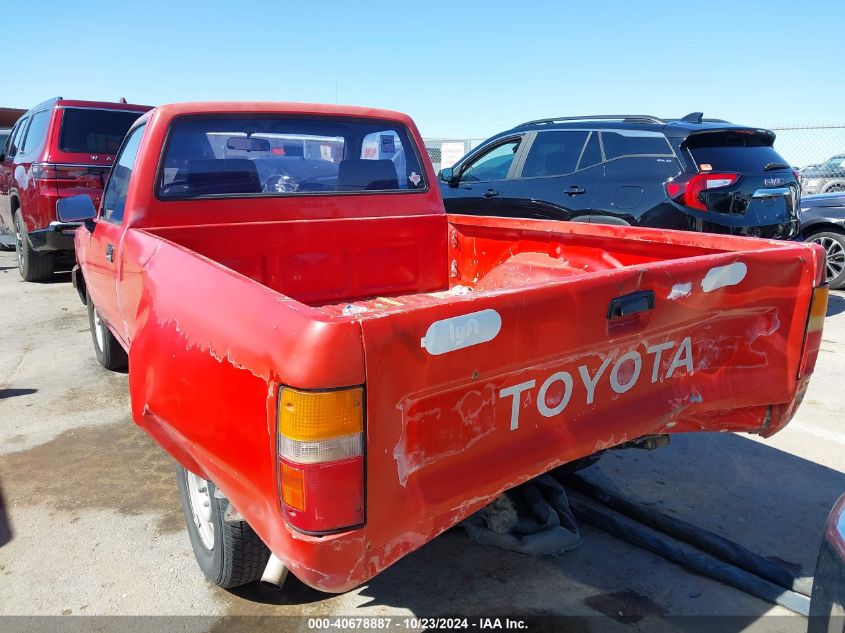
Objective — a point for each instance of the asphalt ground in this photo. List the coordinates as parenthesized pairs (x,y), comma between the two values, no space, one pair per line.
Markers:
(90,522)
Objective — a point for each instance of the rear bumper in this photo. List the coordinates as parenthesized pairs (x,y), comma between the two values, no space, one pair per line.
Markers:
(57,237)
(785,231)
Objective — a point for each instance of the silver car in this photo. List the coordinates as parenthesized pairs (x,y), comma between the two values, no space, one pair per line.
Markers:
(825,178)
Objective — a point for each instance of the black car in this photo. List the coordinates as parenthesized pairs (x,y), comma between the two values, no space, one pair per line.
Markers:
(823,222)
(692,174)
(827,604)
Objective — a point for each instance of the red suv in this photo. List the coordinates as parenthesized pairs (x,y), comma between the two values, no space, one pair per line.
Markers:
(59,148)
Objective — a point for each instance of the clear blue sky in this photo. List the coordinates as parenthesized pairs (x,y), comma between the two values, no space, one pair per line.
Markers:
(463,69)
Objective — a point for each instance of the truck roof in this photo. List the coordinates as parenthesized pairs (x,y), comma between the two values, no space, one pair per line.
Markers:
(278,107)
(79,103)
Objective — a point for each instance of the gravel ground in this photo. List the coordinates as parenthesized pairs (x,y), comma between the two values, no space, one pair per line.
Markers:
(90,522)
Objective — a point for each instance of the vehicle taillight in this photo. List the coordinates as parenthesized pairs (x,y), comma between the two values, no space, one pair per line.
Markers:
(687,192)
(321,459)
(797,174)
(813,334)
(83,175)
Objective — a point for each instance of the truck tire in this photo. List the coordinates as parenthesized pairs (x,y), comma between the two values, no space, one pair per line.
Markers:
(229,554)
(834,247)
(33,266)
(110,354)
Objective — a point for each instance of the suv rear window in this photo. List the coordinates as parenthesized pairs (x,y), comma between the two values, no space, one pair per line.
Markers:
(93,131)
(274,155)
(746,152)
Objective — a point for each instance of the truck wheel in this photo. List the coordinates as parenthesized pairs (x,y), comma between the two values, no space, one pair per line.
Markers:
(834,248)
(109,352)
(33,266)
(229,554)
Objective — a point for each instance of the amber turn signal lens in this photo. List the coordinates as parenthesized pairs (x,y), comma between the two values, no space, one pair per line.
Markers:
(316,415)
(293,486)
(818,310)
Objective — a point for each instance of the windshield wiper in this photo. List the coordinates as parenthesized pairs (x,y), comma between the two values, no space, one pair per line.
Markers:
(774,166)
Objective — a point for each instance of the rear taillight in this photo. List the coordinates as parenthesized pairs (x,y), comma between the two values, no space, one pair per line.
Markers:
(321,459)
(83,175)
(688,192)
(797,174)
(813,334)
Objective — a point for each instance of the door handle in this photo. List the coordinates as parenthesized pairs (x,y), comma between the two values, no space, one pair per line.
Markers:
(627,305)
(575,190)
(110,252)
(490,193)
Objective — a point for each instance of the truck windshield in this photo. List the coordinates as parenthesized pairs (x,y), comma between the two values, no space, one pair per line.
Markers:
(94,131)
(267,155)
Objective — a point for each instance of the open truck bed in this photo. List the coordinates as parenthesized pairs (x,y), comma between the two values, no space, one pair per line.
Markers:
(450,357)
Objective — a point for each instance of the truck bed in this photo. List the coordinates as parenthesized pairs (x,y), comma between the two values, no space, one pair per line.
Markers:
(491,351)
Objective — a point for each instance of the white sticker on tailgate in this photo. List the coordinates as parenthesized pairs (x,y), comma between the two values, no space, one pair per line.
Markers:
(723,276)
(448,335)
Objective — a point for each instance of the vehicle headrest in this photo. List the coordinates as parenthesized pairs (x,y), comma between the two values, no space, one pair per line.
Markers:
(366,175)
(219,176)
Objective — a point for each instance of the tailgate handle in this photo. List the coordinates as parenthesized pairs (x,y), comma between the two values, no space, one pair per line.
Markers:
(633,303)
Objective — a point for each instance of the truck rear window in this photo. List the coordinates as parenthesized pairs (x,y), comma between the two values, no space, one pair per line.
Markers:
(93,131)
(272,155)
(743,152)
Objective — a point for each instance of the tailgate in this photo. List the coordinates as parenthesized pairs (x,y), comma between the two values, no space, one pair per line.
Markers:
(475,394)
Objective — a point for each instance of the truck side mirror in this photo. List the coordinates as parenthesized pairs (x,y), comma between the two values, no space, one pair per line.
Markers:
(76,209)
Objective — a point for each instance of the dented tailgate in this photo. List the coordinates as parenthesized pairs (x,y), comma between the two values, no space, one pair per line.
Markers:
(475,394)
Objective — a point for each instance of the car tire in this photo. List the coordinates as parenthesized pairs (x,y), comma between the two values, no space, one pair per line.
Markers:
(33,266)
(835,188)
(834,246)
(229,554)
(110,354)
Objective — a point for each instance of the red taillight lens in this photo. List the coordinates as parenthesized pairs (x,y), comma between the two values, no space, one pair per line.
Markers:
(813,334)
(797,174)
(82,175)
(321,461)
(688,192)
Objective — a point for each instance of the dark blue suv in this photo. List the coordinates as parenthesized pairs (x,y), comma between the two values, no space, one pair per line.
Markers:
(692,174)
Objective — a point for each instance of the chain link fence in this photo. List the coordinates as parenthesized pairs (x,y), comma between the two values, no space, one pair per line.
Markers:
(807,145)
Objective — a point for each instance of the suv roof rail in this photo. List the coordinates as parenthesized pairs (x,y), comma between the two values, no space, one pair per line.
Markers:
(630,118)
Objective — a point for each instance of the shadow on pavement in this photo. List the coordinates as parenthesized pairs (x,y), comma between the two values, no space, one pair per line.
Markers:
(59,277)
(11,393)
(835,304)
(768,500)
(5,526)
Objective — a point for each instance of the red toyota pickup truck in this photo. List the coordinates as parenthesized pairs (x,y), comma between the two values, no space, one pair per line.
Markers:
(343,371)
